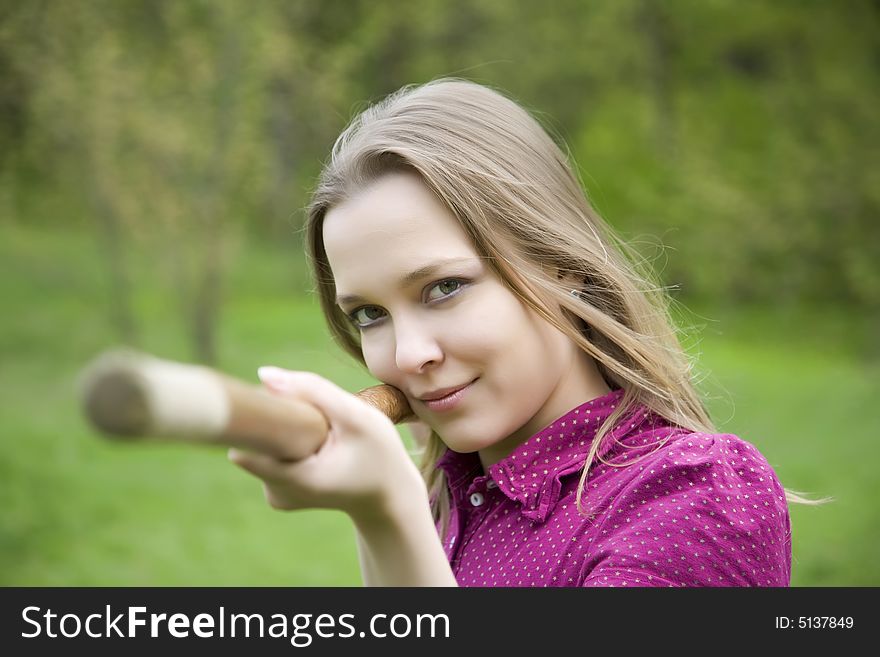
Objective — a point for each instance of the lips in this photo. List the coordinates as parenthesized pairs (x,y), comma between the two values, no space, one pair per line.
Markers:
(443,392)
(447,399)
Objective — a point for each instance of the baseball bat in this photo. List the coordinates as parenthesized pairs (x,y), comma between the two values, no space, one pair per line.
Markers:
(127,395)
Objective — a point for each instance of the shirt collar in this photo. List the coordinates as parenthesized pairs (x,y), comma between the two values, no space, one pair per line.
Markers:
(531,475)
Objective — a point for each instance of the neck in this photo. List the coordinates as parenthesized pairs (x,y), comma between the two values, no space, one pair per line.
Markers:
(581,383)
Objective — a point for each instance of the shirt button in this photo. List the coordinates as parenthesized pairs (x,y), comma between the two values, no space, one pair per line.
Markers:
(477,499)
(491,484)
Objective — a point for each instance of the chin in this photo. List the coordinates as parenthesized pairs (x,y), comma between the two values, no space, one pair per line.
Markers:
(466,444)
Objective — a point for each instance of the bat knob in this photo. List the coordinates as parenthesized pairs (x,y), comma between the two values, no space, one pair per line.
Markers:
(391,401)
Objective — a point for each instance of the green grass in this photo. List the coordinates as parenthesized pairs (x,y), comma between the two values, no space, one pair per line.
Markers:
(800,385)
(813,416)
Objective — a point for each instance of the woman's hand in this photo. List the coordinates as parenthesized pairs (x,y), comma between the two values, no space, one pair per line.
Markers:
(362,468)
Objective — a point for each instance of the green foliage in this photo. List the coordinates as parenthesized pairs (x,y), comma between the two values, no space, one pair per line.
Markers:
(740,134)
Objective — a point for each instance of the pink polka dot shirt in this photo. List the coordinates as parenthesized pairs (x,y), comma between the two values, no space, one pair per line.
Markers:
(689,509)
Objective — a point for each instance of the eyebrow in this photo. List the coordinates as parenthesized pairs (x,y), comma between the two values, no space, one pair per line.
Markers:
(413,276)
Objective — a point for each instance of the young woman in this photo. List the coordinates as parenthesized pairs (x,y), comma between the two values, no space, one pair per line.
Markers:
(456,255)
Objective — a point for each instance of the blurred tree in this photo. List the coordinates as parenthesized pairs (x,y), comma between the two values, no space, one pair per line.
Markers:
(742,135)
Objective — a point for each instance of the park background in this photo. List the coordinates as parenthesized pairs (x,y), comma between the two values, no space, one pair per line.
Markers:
(155,157)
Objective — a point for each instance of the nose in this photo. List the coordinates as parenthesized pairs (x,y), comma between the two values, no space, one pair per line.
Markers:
(416,348)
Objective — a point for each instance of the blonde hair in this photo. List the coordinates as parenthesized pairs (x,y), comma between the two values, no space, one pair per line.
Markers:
(515,194)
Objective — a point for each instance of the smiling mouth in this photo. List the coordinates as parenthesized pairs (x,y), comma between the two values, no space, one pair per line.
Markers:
(449,400)
(449,391)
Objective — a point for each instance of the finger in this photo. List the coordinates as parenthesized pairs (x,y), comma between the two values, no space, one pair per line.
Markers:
(336,404)
(305,477)
(260,465)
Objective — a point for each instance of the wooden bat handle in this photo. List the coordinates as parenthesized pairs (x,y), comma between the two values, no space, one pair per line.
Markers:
(127,395)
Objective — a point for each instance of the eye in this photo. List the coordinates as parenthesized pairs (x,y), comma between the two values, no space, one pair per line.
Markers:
(446,288)
(365,316)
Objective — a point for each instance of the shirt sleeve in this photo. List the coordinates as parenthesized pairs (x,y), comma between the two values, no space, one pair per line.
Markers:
(705,510)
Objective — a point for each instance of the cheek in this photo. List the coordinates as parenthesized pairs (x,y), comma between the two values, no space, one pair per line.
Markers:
(488,329)
(377,359)
(527,356)
(507,334)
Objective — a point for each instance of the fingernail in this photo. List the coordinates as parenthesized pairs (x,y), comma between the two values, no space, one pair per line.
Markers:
(272,376)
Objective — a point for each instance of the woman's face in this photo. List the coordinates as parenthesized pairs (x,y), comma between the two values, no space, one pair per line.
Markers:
(433,317)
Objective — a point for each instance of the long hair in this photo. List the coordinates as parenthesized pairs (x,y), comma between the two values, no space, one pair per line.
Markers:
(515,194)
